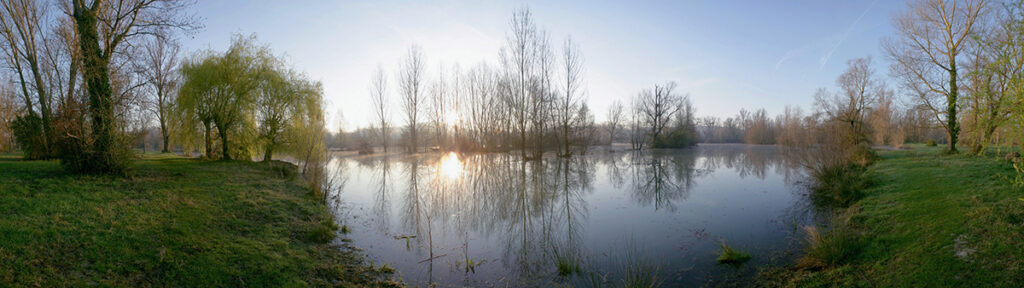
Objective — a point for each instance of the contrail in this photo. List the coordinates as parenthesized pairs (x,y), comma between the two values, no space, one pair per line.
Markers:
(824,59)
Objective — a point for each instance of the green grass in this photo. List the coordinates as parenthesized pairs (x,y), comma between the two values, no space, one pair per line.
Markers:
(174,223)
(930,220)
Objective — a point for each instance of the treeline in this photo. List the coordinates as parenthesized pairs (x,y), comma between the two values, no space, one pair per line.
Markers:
(89,81)
(890,125)
(533,102)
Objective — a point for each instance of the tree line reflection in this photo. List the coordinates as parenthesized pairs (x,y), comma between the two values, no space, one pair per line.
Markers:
(538,209)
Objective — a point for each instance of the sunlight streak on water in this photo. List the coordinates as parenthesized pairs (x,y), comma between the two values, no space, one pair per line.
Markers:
(451,167)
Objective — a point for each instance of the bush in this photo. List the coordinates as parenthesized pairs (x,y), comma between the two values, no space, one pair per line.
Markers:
(839,185)
(828,249)
(322,232)
(77,155)
(930,143)
(28,133)
(861,154)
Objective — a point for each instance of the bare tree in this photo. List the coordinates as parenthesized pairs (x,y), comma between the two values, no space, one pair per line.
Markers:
(658,106)
(637,132)
(541,93)
(159,65)
(21,27)
(379,95)
(858,92)
(614,120)
(572,62)
(410,78)
(519,60)
(931,38)
(439,110)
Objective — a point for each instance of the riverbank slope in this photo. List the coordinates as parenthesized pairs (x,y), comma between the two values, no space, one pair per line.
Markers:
(929,220)
(175,222)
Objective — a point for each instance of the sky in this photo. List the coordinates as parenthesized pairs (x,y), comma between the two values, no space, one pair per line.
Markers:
(726,55)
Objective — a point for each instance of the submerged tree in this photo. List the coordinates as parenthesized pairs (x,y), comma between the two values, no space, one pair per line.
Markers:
(379,95)
(572,62)
(410,78)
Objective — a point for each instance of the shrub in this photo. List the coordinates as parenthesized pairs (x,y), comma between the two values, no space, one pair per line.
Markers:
(831,248)
(322,232)
(28,133)
(77,155)
(930,143)
(839,185)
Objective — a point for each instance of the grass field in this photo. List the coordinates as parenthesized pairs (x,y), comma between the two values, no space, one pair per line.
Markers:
(929,220)
(174,222)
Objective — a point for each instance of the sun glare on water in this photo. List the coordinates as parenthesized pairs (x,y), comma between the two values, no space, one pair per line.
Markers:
(450,166)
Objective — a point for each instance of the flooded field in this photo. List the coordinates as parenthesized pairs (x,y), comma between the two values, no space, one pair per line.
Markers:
(494,220)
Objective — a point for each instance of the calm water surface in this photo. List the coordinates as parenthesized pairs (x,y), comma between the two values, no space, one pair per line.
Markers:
(493,220)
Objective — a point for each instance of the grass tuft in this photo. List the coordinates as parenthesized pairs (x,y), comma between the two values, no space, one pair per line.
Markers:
(732,256)
(828,249)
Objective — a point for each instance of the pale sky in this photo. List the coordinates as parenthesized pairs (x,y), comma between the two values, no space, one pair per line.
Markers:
(726,54)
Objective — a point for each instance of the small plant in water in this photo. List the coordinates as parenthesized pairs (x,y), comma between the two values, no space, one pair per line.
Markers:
(344,229)
(638,271)
(732,256)
(567,267)
(470,265)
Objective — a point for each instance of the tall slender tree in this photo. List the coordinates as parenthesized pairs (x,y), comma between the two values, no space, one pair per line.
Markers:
(410,78)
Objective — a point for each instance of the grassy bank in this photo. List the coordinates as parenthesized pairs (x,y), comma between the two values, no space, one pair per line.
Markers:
(929,220)
(175,222)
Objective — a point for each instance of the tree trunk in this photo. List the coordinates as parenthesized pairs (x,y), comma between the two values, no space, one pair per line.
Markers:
(167,142)
(208,140)
(97,79)
(953,128)
(223,142)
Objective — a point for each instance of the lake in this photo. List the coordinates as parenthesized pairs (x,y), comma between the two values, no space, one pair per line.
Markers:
(494,220)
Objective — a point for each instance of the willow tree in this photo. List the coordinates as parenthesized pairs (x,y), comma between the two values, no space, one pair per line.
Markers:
(218,91)
(281,97)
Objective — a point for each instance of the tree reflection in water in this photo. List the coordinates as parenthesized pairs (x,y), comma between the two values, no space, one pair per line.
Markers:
(484,218)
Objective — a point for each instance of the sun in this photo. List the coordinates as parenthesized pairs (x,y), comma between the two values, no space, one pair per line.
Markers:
(451,118)
(450,166)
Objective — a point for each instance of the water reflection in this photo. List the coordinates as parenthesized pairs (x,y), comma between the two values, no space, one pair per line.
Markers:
(492,219)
